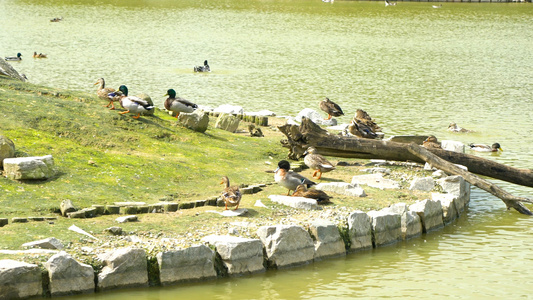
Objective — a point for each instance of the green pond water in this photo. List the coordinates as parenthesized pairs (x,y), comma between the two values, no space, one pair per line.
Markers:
(413,68)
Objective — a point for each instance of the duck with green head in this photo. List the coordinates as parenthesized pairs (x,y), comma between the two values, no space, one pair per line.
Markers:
(133,104)
(11,58)
(178,104)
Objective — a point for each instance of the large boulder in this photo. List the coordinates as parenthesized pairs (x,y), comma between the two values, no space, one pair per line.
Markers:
(191,264)
(227,122)
(360,231)
(29,168)
(430,213)
(126,267)
(449,206)
(69,277)
(327,239)
(239,255)
(7,70)
(425,184)
(7,149)
(198,120)
(457,186)
(19,280)
(386,227)
(455,146)
(411,224)
(286,245)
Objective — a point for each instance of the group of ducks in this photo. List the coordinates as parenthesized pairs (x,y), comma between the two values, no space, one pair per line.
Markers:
(19,56)
(137,105)
(289,179)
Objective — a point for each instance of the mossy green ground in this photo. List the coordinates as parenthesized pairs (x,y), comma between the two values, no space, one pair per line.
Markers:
(103,157)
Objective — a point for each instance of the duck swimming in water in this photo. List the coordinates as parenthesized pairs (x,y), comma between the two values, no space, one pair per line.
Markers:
(486,148)
(178,104)
(132,103)
(12,58)
(204,68)
(288,178)
(40,55)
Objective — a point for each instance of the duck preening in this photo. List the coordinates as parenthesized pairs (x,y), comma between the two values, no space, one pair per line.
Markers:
(331,108)
(18,57)
(178,104)
(204,68)
(107,93)
(40,55)
(486,148)
(363,126)
(133,104)
(317,162)
(320,196)
(231,194)
(288,178)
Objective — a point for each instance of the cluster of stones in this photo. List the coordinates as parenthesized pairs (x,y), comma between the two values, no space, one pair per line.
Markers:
(228,118)
(279,246)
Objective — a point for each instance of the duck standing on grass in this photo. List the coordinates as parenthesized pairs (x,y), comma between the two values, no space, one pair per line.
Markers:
(231,194)
(331,108)
(317,162)
(320,196)
(178,104)
(13,58)
(289,179)
(133,104)
(204,68)
(486,148)
(106,93)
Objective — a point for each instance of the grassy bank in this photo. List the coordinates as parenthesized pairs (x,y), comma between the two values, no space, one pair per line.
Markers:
(103,157)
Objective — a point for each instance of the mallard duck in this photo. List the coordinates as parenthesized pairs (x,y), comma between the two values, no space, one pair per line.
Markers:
(317,162)
(18,57)
(107,93)
(204,68)
(454,128)
(255,131)
(178,104)
(331,108)
(289,179)
(231,194)
(361,130)
(40,55)
(132,103)
(56,19)
(320,196)
(431,143)
(486,148)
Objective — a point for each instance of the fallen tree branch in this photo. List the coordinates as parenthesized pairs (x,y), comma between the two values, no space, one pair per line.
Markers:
(435,161)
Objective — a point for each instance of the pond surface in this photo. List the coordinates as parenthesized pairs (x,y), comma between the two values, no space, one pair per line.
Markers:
(413,68)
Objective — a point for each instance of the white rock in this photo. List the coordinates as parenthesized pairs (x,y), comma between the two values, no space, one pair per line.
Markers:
(49,243)
(456,185)
(425,184)
(286,245)
(449,207)
(360,231)
(19,280)
(191,264)
(342,188)
(386,227)
(69,277)
(229,109)
(411,224)
(262,113)
(126,267)
(327,239)
(239,255)
(453,146)
(124,219)
(29,168)
(316,117)
(296,202)
(430,213)
(376,180)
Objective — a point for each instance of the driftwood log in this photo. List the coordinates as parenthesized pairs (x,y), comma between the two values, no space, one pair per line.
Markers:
(310,134)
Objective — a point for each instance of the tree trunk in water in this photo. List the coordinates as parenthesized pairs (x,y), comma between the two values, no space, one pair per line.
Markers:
(310,134)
